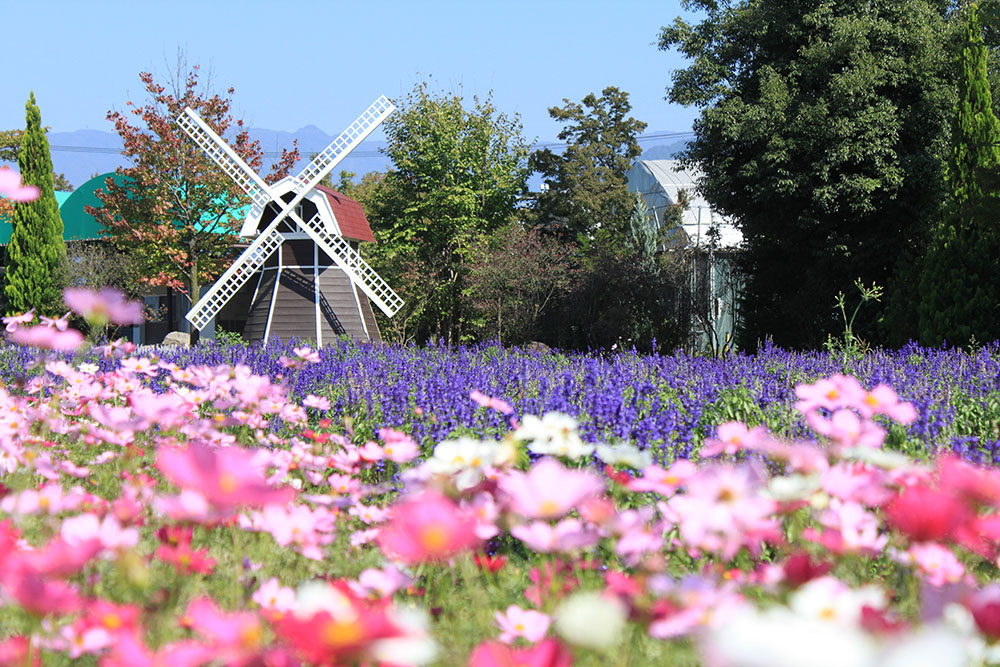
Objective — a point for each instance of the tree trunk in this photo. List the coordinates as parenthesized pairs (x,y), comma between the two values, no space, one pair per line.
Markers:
(194,293)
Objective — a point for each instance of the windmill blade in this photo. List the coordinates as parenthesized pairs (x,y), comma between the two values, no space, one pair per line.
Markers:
(325,161)
(235,277)
(226,158)
(354,265)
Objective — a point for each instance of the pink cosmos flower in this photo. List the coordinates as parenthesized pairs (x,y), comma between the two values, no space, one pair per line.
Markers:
(857,528)
(306,354)
(724,509)
(13,321)
(377,584)
(549,653)
(567,535)
(549,490)
(12,188)
(732,437)
(226,476)
(428,527)
(60,323)
(272,595)
(524,623)
(503,407)
(47,338)
(108,532)
(665,482)
(831,393)
(107,305)
(937,564)
(398,447)
(236,637)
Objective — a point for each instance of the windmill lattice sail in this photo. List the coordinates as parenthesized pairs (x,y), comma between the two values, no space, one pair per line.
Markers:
(271,239)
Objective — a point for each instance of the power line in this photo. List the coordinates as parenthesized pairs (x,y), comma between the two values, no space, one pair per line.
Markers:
(656,136)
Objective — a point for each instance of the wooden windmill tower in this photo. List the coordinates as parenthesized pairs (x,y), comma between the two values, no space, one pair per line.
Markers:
(301,275)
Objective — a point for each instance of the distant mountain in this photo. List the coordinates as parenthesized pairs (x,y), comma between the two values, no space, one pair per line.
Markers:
(664,151)
(82,154)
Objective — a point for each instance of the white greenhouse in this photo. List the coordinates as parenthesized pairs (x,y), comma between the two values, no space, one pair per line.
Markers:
(710,239)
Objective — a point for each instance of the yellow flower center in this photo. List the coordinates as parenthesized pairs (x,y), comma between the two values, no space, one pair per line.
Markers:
(342,633)
(548,508)
(434,538)
(228,482)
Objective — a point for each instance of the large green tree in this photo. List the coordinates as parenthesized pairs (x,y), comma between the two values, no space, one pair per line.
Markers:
(459,171)
(36,255)
(823,132)
(960,286)
(585,185)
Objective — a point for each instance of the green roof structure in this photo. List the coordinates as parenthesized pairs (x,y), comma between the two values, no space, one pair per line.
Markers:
(78,225)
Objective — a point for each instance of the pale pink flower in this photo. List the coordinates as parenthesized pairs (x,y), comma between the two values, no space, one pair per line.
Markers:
(937,563)
(107,305)
(272,595)
(12,188)
(665,482)
(845,428)
(482,399)
(732,437)
(60,323)
(85,640)
(306,354)
(858,482)
(47,338)
(567,535)
(316,402)
(13,321)
(883,400)
(225,476)
(370,452)
(831,393)
(109,532)
(524,623)
(549,490)
(857,528)
(375,583)
(724,509)
(398,447)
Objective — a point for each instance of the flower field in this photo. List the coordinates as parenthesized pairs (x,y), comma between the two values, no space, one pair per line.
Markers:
(365,505)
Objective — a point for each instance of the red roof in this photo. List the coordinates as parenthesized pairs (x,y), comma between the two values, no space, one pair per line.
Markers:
(350,216)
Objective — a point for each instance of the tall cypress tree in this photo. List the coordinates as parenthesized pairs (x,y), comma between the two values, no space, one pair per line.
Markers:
(960,286)
(36,255)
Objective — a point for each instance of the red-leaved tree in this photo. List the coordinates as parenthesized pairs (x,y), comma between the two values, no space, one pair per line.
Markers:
(174,211)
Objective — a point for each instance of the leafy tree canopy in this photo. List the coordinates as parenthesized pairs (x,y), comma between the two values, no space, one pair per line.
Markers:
(823,132)
(175,209)
(585,185)
(459,172)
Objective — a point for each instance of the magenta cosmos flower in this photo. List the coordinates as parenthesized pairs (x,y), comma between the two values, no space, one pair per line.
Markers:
(428,527)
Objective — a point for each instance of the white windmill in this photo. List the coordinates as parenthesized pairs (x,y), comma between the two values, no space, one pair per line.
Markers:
(311,281)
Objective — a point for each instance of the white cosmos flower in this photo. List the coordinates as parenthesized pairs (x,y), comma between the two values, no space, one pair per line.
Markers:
(779,637)
(624,454)
(555,434)
(415,647)
(829,599)
(465,458)
(591,620)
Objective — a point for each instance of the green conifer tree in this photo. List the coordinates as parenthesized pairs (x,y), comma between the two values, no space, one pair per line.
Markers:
(36,255)
(960,285)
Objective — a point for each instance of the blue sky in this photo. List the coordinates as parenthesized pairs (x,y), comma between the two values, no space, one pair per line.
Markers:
(306,62)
